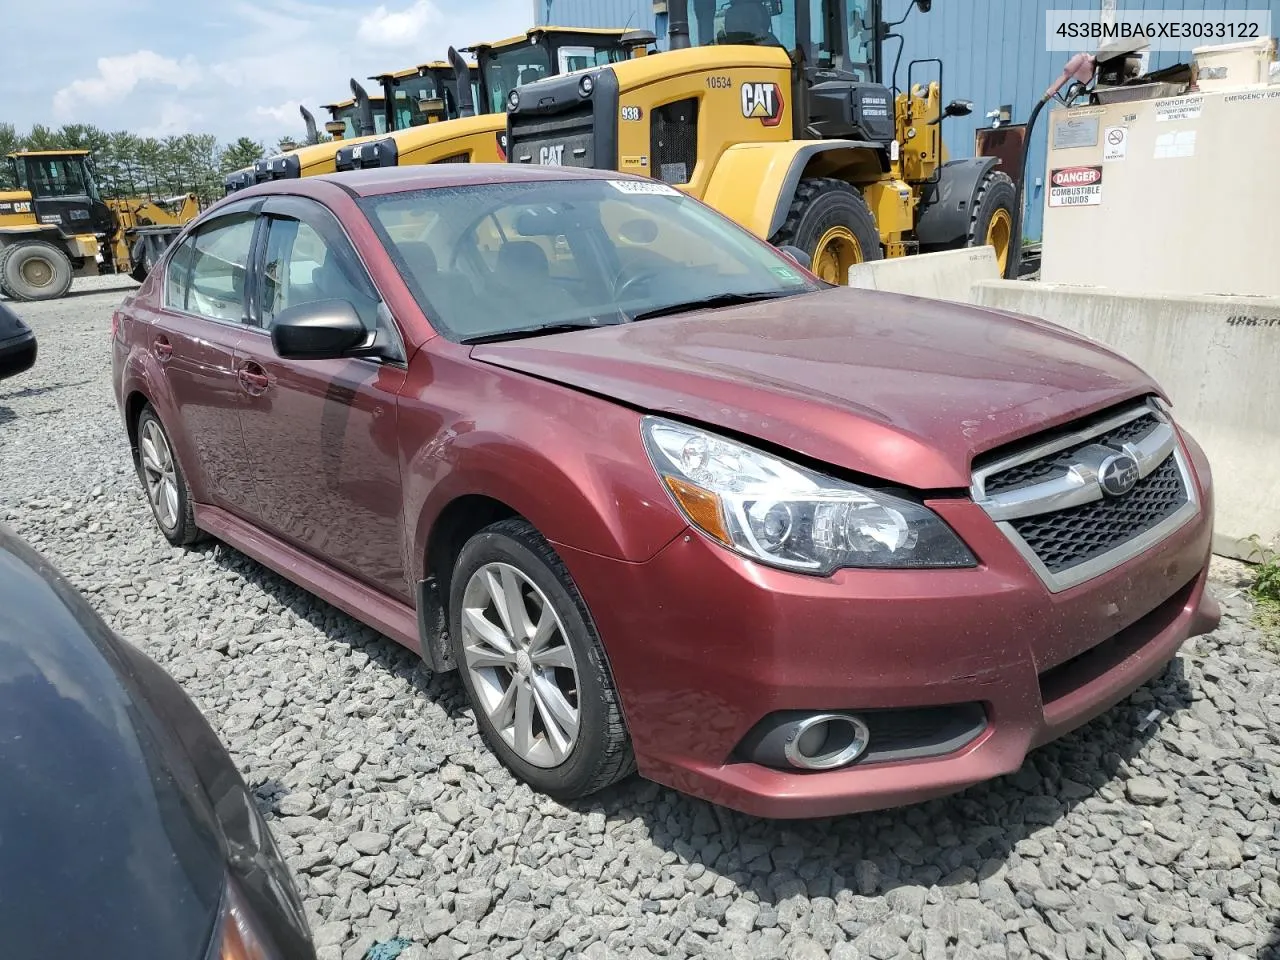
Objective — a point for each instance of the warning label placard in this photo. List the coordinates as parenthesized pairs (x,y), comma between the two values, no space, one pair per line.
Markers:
(1075,187)
(1178,108)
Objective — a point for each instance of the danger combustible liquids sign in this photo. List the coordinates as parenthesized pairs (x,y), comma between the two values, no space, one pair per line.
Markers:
(1075,186)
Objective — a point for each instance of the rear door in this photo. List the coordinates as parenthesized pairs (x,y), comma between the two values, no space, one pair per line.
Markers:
(322,433)
(194,336)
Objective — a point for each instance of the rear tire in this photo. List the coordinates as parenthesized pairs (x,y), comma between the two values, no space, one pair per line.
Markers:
(163,481)
(831,222)
(991,216)
(554,673)
(35,270)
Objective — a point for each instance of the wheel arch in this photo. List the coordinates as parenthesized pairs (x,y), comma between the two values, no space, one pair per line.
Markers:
(776,170)
(944,212)
(566,494)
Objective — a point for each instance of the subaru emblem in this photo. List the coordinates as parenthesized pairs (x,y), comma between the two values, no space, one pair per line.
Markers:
(1118,474)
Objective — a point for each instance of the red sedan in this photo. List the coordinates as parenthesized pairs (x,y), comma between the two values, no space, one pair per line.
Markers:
(667,501)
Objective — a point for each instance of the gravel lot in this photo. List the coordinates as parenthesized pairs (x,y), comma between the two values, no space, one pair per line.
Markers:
(1124,840)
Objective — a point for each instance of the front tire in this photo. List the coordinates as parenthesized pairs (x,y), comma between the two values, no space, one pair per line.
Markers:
(533,665)
(831,222)
(163,481)
(991,216)
(35,270)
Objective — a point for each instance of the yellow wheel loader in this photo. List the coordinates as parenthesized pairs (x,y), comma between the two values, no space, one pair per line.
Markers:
(57,225)
(775,112)
(478,133)
(424,94)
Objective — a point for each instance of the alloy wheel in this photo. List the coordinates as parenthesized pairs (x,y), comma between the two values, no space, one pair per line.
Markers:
(520,663)
(159,474)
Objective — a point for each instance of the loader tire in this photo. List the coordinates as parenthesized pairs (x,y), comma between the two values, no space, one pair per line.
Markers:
(991,216)
(35,270)
(831,222)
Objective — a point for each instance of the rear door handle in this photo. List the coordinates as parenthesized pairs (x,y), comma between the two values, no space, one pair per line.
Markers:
(253,379)
(162,348)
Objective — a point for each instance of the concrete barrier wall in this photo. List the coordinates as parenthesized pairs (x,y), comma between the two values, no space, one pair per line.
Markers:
(948,275)
(1219,360)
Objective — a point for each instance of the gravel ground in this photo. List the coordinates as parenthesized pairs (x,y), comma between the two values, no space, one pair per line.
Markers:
(1124,840)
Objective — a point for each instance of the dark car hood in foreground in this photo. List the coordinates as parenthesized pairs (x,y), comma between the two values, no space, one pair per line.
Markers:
(902,388)
(120,812)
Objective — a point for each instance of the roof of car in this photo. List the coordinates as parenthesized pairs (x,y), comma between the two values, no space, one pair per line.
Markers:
(382,180)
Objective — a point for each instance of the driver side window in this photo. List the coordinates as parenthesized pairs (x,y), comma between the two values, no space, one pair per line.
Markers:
(301,266)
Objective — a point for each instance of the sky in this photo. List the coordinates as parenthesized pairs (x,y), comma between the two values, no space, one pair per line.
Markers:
(231,68)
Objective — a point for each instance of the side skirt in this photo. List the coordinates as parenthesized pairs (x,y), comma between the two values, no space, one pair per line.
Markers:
(396,620)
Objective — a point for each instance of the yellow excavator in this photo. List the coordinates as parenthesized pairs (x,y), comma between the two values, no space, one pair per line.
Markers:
(778,114)
(57,225)
(478,133)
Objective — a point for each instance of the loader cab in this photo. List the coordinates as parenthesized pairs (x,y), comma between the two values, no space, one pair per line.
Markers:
(830,36)
(346,112)
(64,190)
(545,52)
(423,94)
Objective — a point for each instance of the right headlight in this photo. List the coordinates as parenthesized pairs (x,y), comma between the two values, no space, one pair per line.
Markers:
(785,515)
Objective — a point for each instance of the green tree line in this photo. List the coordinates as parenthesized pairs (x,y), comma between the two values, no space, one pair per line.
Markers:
(128,165)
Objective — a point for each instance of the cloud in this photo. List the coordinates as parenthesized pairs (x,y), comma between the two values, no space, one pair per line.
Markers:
(119,76)
(285,114)
(173,118)
(400,28)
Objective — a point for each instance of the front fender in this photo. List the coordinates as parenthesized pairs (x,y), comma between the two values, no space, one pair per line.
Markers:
(572,464)
(945,211)
(753,184)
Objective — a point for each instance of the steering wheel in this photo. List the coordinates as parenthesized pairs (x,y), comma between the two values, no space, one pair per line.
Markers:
(638,275)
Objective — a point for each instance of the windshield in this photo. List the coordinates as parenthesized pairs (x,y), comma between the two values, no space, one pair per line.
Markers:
(508,68)
(829,44)
(495,258)
(407,96)
(60,177)
(349,118)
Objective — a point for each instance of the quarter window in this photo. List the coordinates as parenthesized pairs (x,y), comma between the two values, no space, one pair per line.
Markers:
(177,276)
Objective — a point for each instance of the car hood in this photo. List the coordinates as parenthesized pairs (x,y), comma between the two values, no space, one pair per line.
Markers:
(107,846)
(901,388)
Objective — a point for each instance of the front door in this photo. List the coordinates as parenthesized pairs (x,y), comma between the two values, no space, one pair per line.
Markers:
(321,434)
(194,337)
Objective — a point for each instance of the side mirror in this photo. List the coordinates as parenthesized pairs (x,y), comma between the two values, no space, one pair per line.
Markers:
(924,6)
(320,330)
(798,255)
(958,108)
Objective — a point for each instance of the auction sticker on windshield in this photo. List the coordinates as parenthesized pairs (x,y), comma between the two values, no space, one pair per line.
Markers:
(1075,187)
(644,186)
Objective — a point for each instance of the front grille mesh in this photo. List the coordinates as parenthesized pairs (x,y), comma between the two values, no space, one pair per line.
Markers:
(1068,538)
(1055,465)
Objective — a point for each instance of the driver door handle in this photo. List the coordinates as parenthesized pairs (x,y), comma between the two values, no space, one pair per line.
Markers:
(253,379)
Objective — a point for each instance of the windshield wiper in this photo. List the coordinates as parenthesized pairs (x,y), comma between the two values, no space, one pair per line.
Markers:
(521,332)
(716,300)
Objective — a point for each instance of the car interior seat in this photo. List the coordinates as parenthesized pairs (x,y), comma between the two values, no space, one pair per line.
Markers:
(523,266)
(747,22)
(450,293)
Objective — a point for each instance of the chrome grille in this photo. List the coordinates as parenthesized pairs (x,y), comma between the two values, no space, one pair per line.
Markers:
(1049,499)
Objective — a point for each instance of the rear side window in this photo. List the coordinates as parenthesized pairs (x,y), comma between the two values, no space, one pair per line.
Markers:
(219,269)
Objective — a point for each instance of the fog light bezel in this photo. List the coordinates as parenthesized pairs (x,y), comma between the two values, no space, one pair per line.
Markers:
(834,761)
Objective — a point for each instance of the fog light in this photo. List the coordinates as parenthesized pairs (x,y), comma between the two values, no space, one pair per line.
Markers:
(825,741)
(513,100)
(585,86)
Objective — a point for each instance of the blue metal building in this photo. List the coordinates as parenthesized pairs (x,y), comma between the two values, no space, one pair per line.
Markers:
(993,53)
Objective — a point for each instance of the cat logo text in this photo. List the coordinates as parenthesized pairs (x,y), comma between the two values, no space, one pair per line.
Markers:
(763,102)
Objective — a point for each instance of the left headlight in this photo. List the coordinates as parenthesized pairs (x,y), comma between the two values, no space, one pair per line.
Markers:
(785,515)
(241,934)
